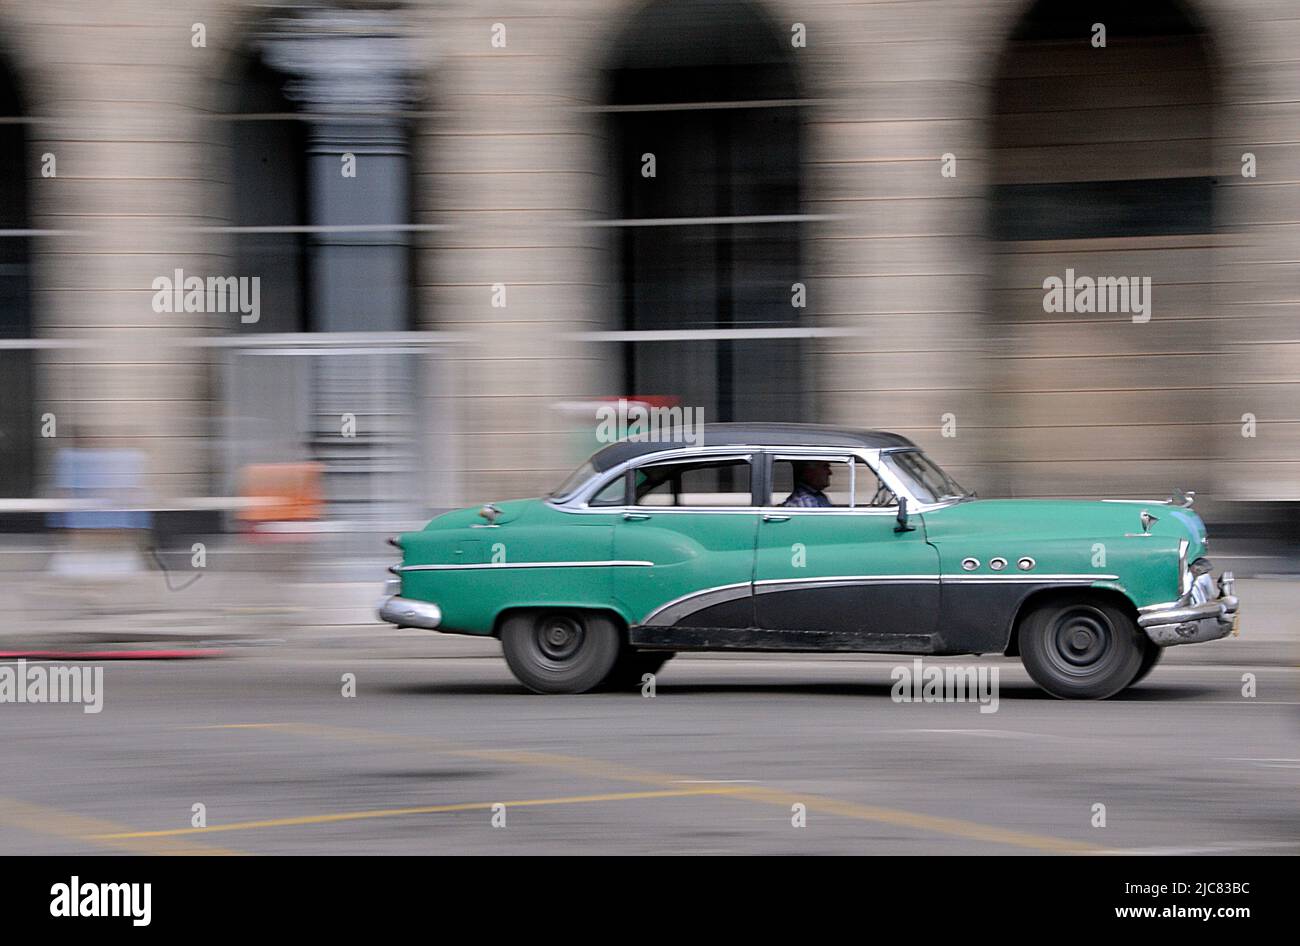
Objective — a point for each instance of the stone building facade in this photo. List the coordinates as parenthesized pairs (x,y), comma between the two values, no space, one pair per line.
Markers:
(918,167)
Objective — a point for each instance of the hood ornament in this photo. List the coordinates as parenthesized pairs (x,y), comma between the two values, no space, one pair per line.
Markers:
(490,511)
(1147,519)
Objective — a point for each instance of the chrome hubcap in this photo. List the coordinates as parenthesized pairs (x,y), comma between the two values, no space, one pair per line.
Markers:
(1081,639)
(559,637)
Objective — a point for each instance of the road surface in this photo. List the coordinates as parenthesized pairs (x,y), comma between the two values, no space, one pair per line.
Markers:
(761,755)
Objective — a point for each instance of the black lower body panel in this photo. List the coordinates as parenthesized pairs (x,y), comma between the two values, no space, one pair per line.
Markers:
(653,637)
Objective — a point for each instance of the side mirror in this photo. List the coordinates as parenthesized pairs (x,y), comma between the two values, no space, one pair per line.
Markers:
(902,517)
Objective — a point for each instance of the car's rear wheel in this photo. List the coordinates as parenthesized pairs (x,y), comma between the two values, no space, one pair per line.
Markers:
(556,651)
(1081,648)
(1149,659)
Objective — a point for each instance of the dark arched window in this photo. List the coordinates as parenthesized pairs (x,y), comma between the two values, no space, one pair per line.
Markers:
(1109,141)
(710,242)
(18,421)
(1102,177)
(268,189)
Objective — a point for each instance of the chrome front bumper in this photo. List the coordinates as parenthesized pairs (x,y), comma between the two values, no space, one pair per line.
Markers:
(407,612)
(1192,621)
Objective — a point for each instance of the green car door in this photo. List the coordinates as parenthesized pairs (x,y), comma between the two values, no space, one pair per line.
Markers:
(840,576)
(695,521)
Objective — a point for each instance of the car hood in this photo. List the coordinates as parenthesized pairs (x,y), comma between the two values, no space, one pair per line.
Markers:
(1061,519)
(510,510)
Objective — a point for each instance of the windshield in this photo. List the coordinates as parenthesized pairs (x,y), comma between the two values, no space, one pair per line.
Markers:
(573,481)
(922,478)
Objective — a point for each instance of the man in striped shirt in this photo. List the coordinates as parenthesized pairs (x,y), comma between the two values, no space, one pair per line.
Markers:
(810,478)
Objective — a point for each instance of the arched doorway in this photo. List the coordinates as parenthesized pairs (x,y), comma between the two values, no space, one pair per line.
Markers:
(1102,179)
(704,244)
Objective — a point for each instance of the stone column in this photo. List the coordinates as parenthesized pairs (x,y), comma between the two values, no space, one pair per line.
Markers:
(351,72)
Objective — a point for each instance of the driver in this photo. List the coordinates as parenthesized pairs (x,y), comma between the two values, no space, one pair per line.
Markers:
(810,478)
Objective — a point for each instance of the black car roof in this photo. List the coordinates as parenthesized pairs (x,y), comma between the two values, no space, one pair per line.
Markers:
(756,435)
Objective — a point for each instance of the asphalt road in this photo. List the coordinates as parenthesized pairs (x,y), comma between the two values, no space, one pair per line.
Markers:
(715,763)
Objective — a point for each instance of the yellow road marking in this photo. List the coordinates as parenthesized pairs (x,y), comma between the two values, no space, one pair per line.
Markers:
(40,819)
(955,827)
(595,768)
(423,810)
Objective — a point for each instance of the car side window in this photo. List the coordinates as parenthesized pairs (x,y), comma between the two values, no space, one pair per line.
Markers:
(869,491)
(613,493)
(811,482)
(694,483)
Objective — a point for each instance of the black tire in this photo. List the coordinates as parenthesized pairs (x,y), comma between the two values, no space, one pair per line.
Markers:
(1081,648)
(557,651)
(631,666)
(1149,660)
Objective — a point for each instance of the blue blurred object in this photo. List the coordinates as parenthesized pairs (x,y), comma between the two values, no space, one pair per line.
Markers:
(114,475)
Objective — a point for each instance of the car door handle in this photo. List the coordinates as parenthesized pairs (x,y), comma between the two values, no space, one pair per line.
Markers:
(769,517)
(635,517)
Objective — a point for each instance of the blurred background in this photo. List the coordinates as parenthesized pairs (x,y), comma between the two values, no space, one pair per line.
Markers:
(821,211)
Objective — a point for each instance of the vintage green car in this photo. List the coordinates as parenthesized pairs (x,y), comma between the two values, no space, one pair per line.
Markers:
(778,537)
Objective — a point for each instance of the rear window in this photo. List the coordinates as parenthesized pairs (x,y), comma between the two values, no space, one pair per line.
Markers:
(694,483)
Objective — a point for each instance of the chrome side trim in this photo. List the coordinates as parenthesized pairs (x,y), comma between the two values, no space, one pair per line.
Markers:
(768,585)
(576,502)
(890,511)
(490,565)
(670,612)
(680,607)
(1008,579)
(1013,579)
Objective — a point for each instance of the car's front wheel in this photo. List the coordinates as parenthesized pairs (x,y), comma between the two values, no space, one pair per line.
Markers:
(557,651)
(1149,659)
(1081,648)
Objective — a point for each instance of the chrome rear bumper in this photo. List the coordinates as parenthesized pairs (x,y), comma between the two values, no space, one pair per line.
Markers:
(407,612)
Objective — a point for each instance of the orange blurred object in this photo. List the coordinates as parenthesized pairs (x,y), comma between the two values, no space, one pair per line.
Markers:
(285,493)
